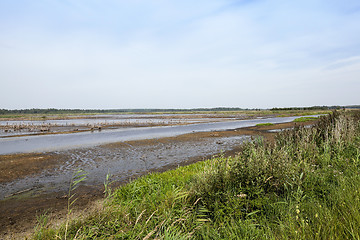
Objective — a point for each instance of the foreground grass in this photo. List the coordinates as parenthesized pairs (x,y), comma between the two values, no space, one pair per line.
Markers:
(305,186)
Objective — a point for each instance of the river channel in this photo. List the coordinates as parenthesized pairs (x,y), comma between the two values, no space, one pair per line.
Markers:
(48,143)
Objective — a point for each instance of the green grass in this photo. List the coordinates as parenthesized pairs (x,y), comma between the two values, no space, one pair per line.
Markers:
(304,186)
(301,113)
(10,116)
(264,124)
(305,119)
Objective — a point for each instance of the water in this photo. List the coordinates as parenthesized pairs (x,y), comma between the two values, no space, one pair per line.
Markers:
(74,123)
(121,162)
(116,119)
(48,143)
(86,151)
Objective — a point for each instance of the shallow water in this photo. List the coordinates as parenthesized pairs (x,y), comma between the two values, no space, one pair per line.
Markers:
(48,143)
(10,128)
(116,119)
(86,151)
(122,163)
(83,122)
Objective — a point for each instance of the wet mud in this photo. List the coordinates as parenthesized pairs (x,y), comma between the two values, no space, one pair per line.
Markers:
(33,183)
(121,160)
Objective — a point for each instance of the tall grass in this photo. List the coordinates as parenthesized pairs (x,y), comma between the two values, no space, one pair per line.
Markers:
(303,186)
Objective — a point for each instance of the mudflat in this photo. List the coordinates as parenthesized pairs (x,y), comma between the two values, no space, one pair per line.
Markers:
(18,210)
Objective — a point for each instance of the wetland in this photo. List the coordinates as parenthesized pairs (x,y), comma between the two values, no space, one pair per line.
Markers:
(36,166)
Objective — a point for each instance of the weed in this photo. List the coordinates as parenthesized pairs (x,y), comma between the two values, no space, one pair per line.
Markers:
(77,177)
(42,221)
(107,184)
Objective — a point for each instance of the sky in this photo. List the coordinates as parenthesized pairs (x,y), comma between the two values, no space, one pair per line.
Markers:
(114,54)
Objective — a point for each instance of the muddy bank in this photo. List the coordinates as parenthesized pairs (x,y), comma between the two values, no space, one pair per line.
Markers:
(30,126)
(49,143)
(18,211)
(16,166)
(122,160)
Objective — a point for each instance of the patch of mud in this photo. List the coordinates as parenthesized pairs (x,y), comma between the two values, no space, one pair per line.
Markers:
(36,192)
(17,166)
(122,162)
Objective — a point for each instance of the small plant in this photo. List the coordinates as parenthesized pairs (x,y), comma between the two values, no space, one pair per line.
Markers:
(107,183)
(42,221)
(77,177)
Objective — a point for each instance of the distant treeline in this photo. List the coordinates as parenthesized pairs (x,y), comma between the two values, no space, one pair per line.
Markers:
(316,108)
(307,108)
(89,111)
(353,106)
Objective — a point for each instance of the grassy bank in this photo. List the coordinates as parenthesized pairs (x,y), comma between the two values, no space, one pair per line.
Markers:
(304,186)
(305,119)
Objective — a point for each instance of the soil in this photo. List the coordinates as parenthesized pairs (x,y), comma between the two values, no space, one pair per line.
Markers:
(18,213)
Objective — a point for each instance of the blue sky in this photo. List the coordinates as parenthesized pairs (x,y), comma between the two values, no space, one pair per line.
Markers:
(179,54)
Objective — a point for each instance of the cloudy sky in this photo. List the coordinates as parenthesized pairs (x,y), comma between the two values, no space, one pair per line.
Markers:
(179,54)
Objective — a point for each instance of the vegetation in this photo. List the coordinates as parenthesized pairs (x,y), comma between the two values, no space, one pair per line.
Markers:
(76,178)
(90,111)
(264,124)
(303,186)
(305,119)
(105,111)
(313,108)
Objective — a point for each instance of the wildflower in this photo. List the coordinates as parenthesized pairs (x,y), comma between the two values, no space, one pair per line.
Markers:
(316,215)
(241,195)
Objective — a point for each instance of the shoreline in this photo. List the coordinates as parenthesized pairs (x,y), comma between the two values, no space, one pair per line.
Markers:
(20,210)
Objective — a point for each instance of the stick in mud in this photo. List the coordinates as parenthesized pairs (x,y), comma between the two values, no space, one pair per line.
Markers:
(13,194)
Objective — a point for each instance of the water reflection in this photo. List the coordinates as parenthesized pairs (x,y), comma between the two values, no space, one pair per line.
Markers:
(47,143)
